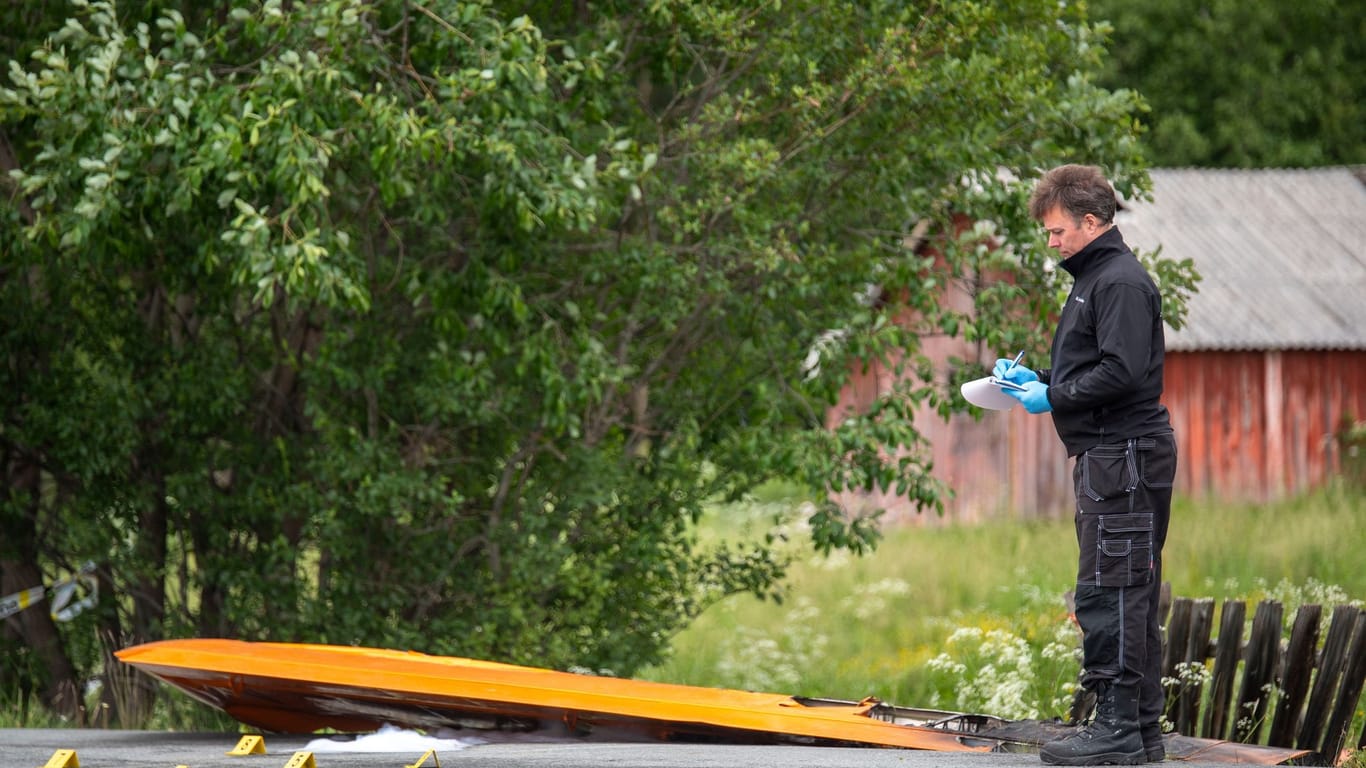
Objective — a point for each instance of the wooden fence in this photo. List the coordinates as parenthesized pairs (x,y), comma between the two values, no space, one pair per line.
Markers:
(1291,692)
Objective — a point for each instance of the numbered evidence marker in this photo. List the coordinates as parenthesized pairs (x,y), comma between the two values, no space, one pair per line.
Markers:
(251,744)
(301,760)
(63,758)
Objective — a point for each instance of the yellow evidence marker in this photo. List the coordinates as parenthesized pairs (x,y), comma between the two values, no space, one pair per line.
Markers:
(63,758)
(429,753)
(251,744)
(301,760)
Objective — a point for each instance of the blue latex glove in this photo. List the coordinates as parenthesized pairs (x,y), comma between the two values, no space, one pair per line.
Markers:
(1019,374)
(1034,396)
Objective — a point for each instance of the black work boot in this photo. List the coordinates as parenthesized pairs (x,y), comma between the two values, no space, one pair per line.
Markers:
(1154,747)
(1111,738)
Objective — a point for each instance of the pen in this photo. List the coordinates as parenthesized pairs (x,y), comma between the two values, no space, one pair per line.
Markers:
(1015,362)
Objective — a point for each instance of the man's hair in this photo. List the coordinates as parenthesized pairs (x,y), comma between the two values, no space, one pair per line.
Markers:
(1077,190)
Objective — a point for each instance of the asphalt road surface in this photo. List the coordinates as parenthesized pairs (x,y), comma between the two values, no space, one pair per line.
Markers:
(37,747)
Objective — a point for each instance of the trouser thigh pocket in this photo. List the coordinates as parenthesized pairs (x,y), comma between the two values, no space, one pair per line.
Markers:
(1116,550)
(1114,522)
(1125,550)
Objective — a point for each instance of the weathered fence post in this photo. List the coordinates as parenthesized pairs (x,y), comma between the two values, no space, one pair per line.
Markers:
(1353,676)
(1330,668)
(1299,667)
(1197,650)
(1225,668)
(1259,671)
(1178,631)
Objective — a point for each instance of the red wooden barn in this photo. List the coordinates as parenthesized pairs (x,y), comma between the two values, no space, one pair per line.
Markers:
(1269,366)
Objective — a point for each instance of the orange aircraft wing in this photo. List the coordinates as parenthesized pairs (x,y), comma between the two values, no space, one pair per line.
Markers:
(301,688)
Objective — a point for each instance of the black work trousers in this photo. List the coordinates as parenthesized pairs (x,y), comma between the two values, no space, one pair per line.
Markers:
(1124,498)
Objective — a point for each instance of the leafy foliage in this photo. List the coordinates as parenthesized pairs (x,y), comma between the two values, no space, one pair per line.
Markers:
(1233,84)
(435,324)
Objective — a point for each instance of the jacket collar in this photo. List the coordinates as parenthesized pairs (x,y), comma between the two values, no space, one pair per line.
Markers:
(1107,244)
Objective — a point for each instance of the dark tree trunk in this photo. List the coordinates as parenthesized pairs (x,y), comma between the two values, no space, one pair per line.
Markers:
(57,687)
(149,584)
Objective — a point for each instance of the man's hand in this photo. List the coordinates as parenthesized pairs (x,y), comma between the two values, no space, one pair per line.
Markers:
(1034,396)
(1017,374)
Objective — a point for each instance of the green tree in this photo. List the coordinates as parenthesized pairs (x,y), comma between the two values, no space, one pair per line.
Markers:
(1234,84)
(435,324)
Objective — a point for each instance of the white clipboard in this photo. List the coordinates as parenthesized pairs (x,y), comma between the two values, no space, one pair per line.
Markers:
(990,392)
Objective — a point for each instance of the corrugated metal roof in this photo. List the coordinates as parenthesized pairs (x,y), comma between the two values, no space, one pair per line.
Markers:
(1282,254)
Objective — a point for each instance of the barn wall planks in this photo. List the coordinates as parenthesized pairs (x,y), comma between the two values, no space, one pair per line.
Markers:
(1250,426)
(1255,426)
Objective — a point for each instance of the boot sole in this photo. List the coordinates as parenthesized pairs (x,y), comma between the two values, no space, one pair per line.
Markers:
(1104,758)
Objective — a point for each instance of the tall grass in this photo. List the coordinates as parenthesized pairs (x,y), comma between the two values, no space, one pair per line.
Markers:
(972,617)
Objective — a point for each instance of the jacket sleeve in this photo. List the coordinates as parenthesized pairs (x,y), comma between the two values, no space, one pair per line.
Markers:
(1124,318)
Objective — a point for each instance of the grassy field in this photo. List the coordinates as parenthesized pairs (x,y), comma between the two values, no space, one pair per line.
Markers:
(973,617)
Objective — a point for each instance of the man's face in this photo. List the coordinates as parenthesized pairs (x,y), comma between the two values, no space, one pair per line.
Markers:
(1068,235)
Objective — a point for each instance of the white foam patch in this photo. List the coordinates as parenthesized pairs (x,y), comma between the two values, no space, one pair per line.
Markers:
(388,738)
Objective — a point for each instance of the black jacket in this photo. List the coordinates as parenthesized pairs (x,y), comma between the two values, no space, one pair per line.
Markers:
(1105,383)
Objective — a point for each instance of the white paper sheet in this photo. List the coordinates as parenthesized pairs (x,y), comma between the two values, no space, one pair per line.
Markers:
(984,394)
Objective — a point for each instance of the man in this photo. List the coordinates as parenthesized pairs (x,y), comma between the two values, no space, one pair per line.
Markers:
(1103,388)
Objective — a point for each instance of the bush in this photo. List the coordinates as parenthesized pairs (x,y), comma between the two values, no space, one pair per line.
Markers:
(1352,447)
